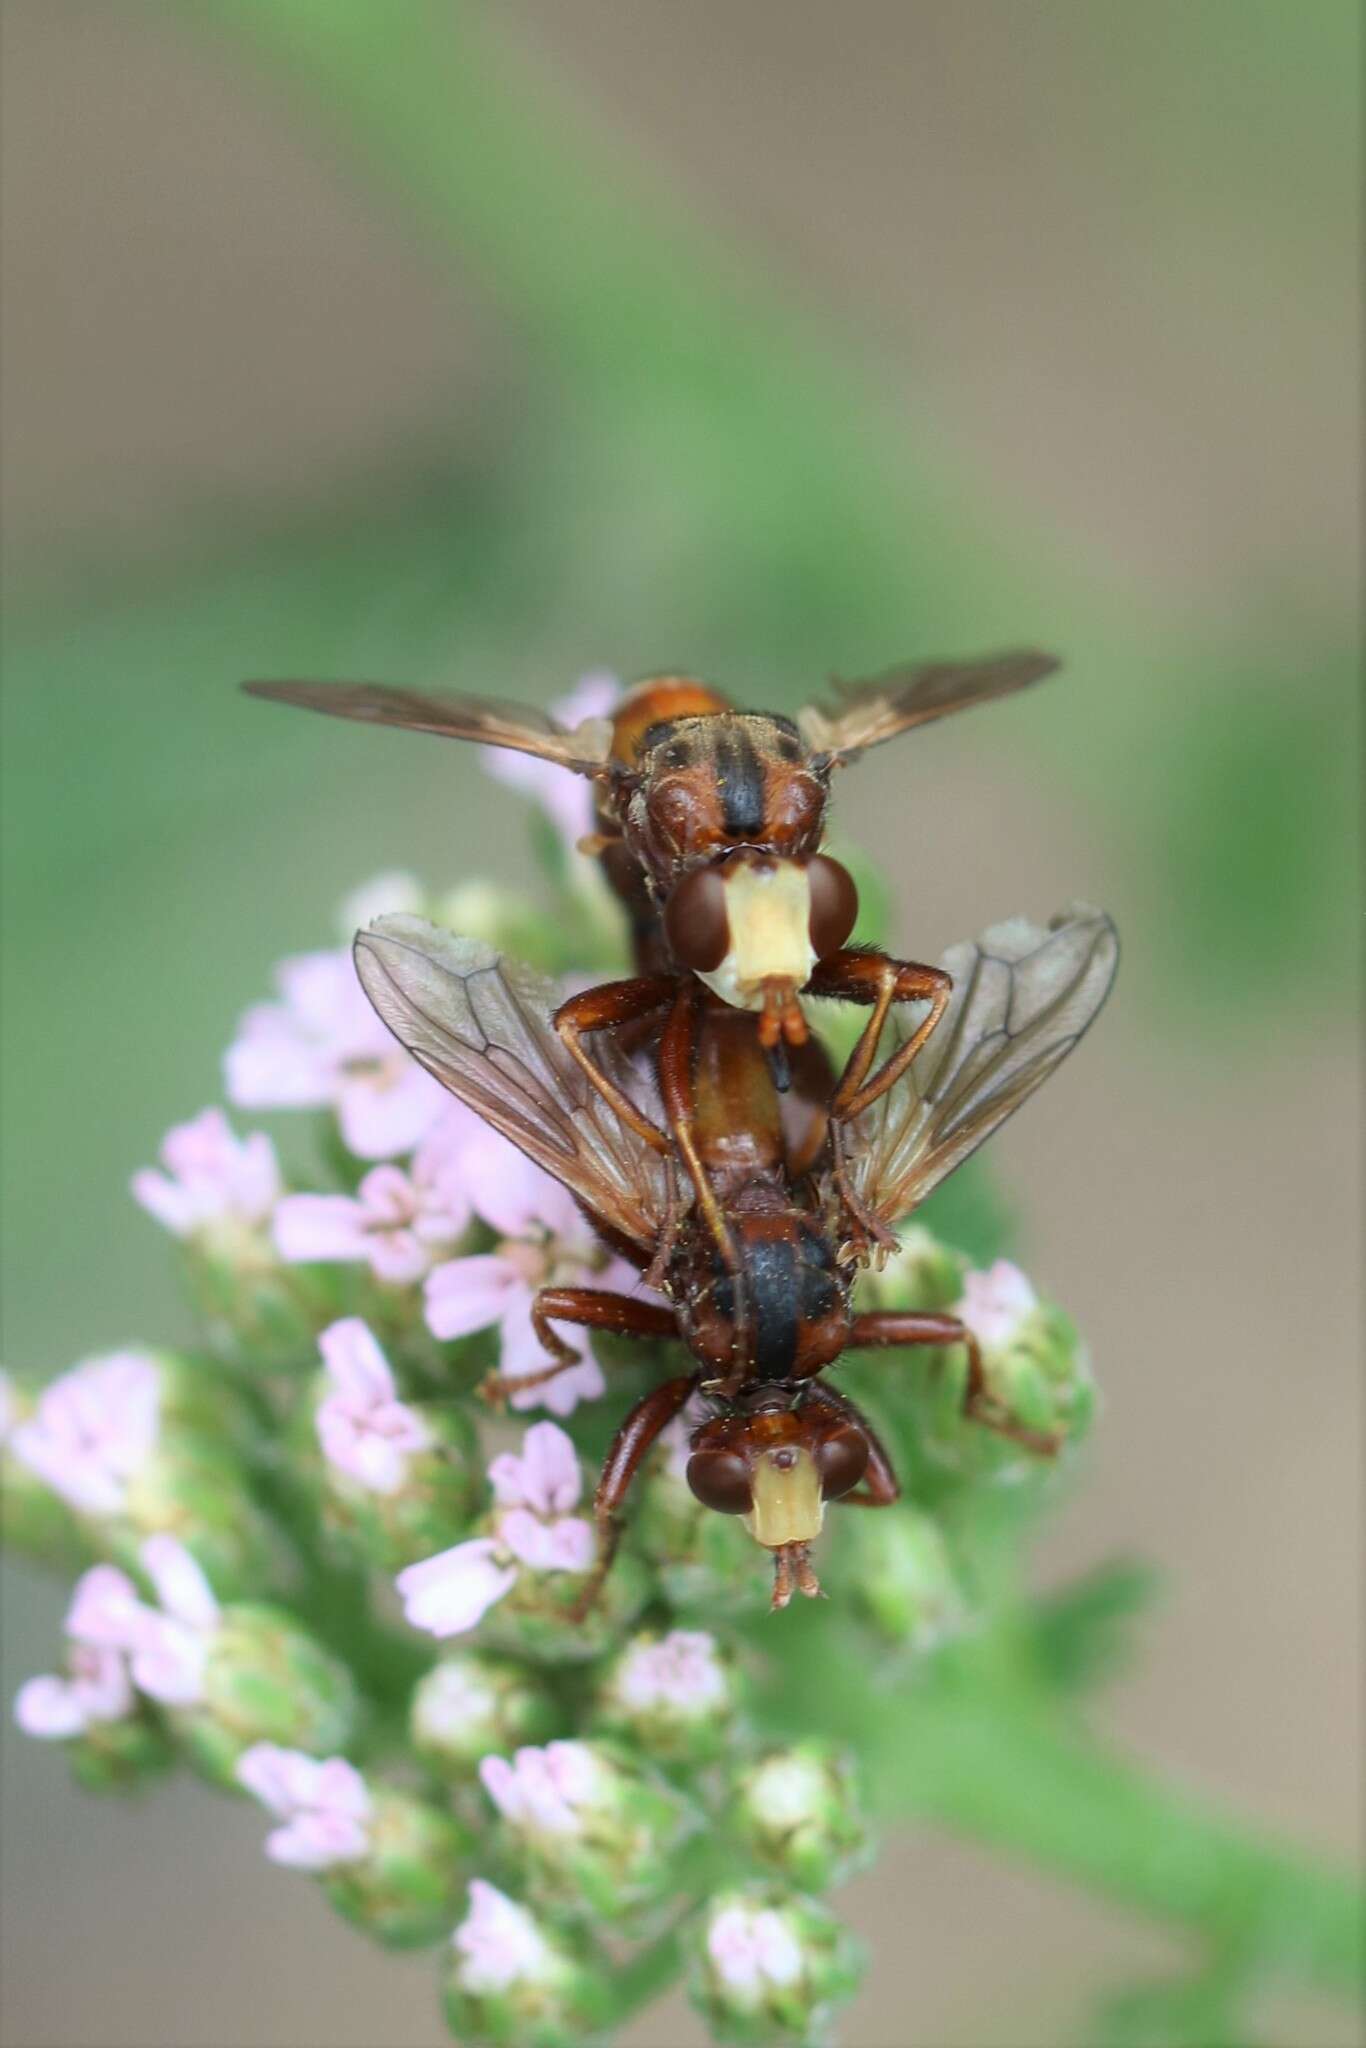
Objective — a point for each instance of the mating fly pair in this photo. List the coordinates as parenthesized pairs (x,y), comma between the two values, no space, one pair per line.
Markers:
(709,824)
(759,1272)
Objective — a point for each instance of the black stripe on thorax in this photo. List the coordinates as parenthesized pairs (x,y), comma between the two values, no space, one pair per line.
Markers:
(774,1305)
(740,780)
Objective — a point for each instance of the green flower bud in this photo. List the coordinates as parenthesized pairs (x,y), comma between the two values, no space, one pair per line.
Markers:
(265,1679)
(598,1829)
(254,1309)
(406,1890)
(924,1274)
(189,1490)
(33,1519)
(769,1964)
(120,1756)
(799,1813)
(473,1704)
(675,1696)
(893,1569)
(427,1510)
(538,1617)
(512,1983)
(505,918)
(1038,1380)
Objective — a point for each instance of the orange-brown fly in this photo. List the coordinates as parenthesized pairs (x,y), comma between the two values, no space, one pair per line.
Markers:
(774,1442)
(709,828)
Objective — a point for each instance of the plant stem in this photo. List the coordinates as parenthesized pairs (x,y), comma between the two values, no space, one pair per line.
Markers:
(975,1748)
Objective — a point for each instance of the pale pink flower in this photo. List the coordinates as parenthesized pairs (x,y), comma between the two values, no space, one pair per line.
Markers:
(995,1304)
(168,1645)
(324,1803)
(401,1223)
(544,1241)
(532,1527)
(546,1791)
(93,1429)
(680,1670)
(452,1592)
(363,1427)
(323,1047)
(498,1943)
(213,1178)
(752,1948)
(116,1641)
(566,798)
(97,1688)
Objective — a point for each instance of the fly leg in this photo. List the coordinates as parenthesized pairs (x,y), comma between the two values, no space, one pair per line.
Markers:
(593,1308)
(877,979)
(868,1230)
(598,1009)
(651,1415)
(879,1486)
(896,1326)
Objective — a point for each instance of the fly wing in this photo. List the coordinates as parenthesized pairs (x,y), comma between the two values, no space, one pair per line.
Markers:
(1023,994)
(865,714)
(518,726)
(481,1025)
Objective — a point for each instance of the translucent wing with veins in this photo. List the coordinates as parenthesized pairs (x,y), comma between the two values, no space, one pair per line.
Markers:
(481,1025)
(518,726)
(1023,994)
(865,714)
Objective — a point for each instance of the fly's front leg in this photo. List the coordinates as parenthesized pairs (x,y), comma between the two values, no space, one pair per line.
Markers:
(591,1307)
(894,1326)
(877,979)
(598,1009)
(879,1486)
(651,1415)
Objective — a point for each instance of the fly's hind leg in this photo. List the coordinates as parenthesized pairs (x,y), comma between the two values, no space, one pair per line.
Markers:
(894,1326)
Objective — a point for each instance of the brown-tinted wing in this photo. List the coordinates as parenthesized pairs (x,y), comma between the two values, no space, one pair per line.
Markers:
(1023,994)
(518,726)
(481,1025)
(865,714)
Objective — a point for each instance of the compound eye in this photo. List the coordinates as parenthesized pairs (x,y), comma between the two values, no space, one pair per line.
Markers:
(695,921)
(841,1460)
(720,1480)
(834,904)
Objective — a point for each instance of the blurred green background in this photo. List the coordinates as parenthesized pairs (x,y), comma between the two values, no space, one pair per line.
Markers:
(485,346)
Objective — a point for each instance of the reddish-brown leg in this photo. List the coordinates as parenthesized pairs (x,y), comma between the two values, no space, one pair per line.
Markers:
(896,1326)
(879,1487)
(598,1009)
(677,1050)
(594,1307)
(877,979)
(651,1414)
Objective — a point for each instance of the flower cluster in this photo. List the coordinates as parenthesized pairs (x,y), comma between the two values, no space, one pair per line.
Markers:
(459,1753)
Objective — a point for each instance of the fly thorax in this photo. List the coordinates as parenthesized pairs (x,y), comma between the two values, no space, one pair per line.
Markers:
(768,915)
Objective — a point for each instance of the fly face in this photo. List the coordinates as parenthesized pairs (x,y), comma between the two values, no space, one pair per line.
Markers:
(776,1462)
(753,926)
